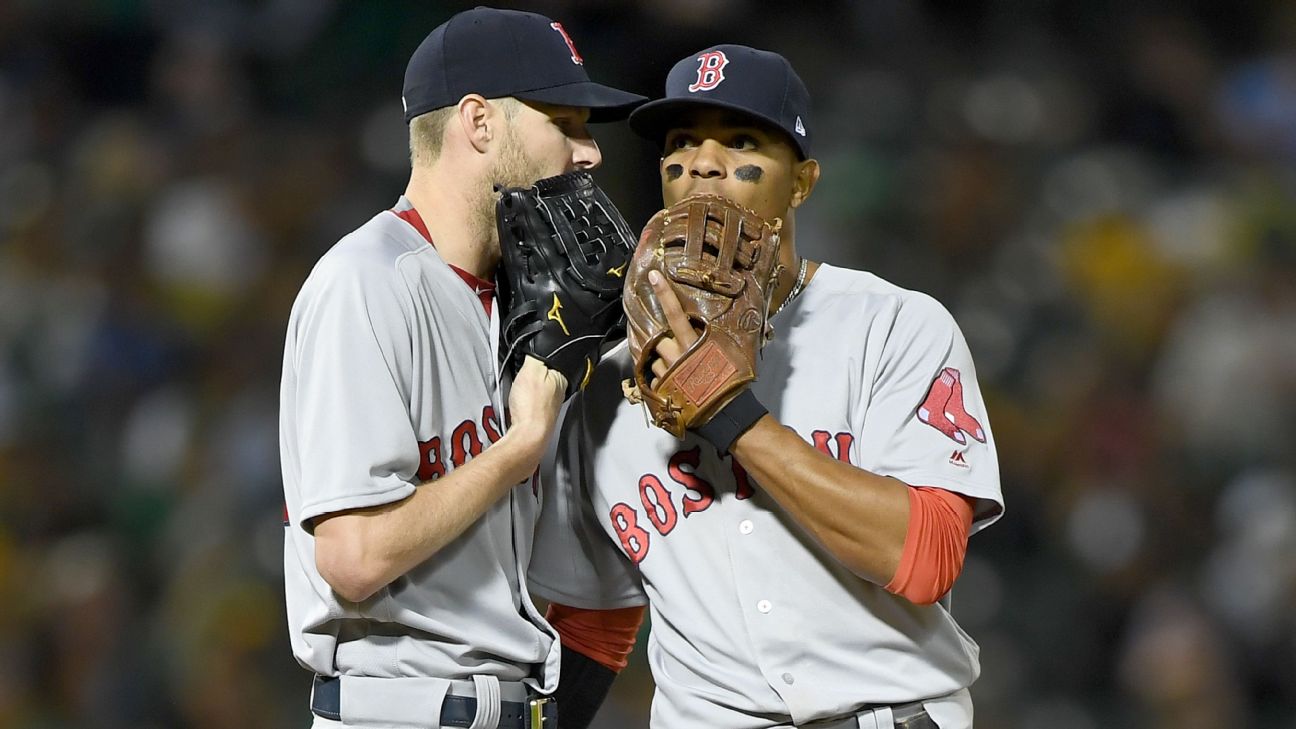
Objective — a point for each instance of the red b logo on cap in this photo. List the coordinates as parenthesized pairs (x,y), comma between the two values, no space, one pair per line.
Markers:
(710,71)
(576,57)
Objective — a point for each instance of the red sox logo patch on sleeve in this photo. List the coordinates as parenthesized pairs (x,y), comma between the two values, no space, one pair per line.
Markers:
(710,71)
(943,409)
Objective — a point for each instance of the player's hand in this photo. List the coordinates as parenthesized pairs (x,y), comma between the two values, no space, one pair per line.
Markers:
(670,348)
(536,398)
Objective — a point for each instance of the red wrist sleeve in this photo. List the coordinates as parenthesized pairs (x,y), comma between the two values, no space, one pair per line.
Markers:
(935,544)
(604,636)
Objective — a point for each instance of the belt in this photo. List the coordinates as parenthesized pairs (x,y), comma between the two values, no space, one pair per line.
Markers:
(456,711)
(903,716)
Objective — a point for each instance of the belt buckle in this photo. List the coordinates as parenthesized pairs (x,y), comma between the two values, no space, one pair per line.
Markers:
(536,715)
(910,719)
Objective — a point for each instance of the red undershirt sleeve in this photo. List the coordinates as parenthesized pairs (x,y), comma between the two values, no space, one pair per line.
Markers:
(604,636)
(935,544)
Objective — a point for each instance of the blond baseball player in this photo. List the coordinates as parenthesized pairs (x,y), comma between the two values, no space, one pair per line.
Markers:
(798,549)
(407,458)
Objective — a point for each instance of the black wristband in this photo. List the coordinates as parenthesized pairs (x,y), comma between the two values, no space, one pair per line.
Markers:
(733,420)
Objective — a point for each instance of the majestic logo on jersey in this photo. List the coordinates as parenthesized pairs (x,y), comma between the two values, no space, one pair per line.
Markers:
(956,459)
(555,314)
(683,470)
(710,71)
(575,57)
(943,409)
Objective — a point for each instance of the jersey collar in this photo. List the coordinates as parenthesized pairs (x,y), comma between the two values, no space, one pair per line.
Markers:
(484,290)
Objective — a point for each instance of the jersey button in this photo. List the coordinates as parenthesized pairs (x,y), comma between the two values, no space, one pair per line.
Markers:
(745,526)
(764,606)
(788,679)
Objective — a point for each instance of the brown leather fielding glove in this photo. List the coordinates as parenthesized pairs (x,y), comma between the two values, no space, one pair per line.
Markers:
(721,260)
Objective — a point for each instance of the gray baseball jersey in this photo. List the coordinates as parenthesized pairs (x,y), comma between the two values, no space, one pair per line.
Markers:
(753,623)
(389,380)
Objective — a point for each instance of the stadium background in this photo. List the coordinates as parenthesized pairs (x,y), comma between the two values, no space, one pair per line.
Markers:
(1101,192)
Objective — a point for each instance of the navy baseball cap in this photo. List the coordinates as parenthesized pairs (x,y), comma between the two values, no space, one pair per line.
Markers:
(499,53)
(759,83)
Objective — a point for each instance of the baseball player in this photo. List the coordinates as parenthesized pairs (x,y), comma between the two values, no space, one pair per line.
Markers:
(408,508)
(797,559)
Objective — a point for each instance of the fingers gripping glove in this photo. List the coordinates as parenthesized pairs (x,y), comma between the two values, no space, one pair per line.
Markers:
(721,260)
(563,254)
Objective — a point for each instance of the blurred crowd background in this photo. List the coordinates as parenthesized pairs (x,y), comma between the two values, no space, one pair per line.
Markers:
(1101,191)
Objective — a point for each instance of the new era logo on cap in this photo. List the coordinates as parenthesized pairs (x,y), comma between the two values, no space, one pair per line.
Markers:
(800,128)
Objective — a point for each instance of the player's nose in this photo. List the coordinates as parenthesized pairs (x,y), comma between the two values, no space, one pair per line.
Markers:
(706,160)
(586,154)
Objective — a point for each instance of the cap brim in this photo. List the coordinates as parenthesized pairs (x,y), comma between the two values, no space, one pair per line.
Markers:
(653,119)
(605,103)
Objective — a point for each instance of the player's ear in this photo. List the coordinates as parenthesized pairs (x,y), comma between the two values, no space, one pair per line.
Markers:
(474,116)
(805,175)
